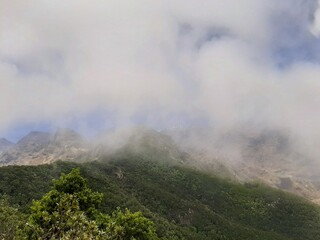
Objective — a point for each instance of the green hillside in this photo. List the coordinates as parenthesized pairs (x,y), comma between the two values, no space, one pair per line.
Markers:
(183,203)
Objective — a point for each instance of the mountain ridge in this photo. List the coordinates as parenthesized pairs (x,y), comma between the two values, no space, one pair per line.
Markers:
(42,147)
(265,157)
(5,144)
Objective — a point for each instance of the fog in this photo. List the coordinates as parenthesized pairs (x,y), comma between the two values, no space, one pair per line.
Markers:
(246,64)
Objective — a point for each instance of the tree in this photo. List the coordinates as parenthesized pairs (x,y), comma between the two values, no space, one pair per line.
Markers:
(69,211)
(127,225)
(10,219)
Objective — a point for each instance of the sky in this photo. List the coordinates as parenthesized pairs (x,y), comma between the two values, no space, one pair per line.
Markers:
(95,65)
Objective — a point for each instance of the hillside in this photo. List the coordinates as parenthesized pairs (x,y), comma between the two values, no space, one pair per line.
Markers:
(269,157)
(183,203)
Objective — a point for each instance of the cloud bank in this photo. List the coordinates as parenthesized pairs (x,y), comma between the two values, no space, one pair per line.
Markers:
(231,63)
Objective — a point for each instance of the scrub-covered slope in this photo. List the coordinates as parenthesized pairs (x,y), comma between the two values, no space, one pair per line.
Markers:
(183,203)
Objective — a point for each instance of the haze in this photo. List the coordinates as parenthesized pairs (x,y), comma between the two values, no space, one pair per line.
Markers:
(223,64)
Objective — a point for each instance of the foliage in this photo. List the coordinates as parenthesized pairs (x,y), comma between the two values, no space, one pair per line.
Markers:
(69,211)
(126,225)
(74,184)
(10,220)
(66,221)
(182,203)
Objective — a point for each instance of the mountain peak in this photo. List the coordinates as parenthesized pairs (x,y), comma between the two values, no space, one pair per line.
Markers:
(5,144)
(65,136)
(35,137)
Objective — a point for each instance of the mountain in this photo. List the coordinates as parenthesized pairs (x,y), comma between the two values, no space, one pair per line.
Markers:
(41,147)
(270,156)
(244,155)
(67,138)
(181,180)
(182,202)
(33,142)
(5,144)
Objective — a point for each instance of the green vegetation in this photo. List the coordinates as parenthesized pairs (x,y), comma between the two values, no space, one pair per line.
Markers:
(10,220)
(69,211)
(182,203)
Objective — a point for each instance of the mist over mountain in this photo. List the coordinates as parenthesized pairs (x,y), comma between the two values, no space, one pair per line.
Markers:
(34,141)
(42,147)
(266,157)
(67,137)
(228,89)
(233,84)
(162,64)
(5,144)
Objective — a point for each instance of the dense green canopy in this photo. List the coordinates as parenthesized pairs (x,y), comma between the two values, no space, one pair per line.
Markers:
(182,203)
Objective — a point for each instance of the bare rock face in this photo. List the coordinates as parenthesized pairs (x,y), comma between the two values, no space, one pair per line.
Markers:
(34,141)
(41,147)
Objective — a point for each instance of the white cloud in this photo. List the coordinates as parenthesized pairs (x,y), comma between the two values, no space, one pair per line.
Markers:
(315,26)
(64,57)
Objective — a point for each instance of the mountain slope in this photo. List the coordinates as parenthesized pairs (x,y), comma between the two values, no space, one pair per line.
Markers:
(183,203)
(268,157)
(42,147)
(5,144)
(271,156)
